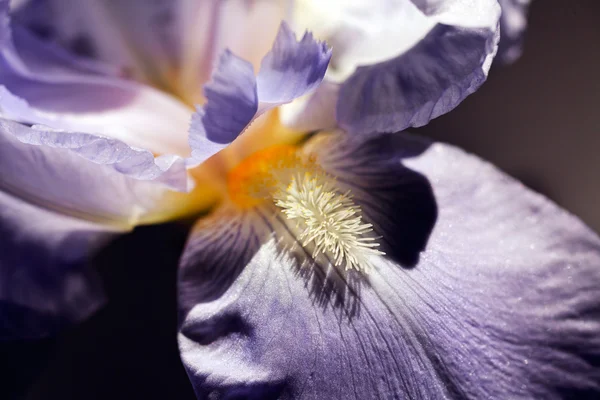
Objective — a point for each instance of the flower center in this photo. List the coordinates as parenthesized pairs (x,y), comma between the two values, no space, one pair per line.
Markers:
(325,220)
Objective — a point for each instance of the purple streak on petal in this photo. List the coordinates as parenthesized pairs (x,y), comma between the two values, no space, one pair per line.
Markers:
(235,97)
(427,81)
(159,40)
(292,68)
(50,58)
(137,36)
(210,245)
(4,21)
(513,24)
(504,301)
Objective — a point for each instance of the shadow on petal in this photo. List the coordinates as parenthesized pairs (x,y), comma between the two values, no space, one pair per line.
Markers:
(327,284)
(218,249)
(398,201)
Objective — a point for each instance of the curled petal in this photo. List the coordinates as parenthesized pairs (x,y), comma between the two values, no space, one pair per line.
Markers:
(503,300)
(425,82)
(81,174)
(62,196)
(401,63)
(512,29)
(235,97)
(231,105)
(68,93)
(292,68)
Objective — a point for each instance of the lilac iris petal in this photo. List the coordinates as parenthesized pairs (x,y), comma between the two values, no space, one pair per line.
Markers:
(171,43)
(425,82)
(512,29)
(62,196)
(502,302)
(135,163)
(50,59)
(291,69)
(122,33)
(82,96)
(235,97)
(65,190)
(231,105)
(394,75)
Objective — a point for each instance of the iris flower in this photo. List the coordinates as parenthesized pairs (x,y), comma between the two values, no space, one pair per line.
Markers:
(331,256)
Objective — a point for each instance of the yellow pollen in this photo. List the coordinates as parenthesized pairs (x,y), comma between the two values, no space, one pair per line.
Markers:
(325,220)
(253,180)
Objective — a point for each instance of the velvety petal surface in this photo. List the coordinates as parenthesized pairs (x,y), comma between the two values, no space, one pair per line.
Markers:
(172,44)
(400,63)
(501,298)
(74,94)
(62,196)
(512,29)
(235,97)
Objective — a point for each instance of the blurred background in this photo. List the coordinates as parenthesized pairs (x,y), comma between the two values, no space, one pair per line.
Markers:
(538,120)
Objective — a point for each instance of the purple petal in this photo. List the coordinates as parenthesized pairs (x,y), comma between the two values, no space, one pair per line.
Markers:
(122,159)
(235,97)
(62,196)
(4,20)
(231,105)
(512,29)
(402,63)
(82,96)
(171,43)
(425,82)
(123,33)
(52,59)
(503,302)
(292,68)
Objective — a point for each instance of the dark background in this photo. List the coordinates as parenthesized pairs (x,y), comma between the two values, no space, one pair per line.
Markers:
(538,120)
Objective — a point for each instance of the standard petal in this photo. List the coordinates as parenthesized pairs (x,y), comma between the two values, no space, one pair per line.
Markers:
(503,302)
(512,29)
(292,68)
(231,105)
(235,97)
(62,196)
(71,94)
(402,63)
